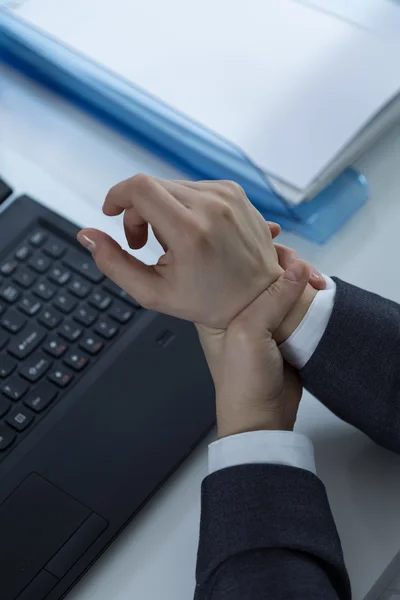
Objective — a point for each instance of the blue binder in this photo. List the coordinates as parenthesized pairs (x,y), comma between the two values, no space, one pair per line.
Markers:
(171,135)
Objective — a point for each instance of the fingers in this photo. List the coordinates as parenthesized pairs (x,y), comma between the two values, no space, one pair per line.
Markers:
(317,281)
(274,228)
(283,295)
(286,256)
(139,280)
(268,311)
(186,192)
(136,232)
(147,201)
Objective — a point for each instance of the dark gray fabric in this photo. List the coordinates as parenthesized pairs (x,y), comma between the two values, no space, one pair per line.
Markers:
(267,532)
(355,370)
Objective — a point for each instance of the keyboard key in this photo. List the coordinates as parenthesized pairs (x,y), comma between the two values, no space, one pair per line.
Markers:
(44,289)
(27,340)
(85,315)
(59,274)
(100,300)
(84,265)
(23,252)
(60,376)
(76,359)
(9,292)
(15,387)
(50,318)
(65,302)
(41,396)
(106,329)
(29,305)
(13,321)
(3,339)
(8,267)
(35,367)
(7,365)
(54,248)
(121,312)
(70,331)
(38,237)
(55,346)
(24,277)
(20,418)
(7,436)
(91,344)
(39,262)
(79,288)
(5,405)
(118,292)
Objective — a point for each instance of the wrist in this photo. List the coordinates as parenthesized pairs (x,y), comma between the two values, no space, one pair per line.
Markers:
(253,420)
(296,316)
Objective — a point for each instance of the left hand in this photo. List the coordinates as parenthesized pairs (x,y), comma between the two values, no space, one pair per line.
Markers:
(219,254)
(288,255)
(255,389)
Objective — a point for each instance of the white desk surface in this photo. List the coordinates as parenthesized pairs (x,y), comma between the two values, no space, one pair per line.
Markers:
(69,161)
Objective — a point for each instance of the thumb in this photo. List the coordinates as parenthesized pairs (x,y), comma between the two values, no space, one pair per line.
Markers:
(139,280)
(272,306)
(287,255)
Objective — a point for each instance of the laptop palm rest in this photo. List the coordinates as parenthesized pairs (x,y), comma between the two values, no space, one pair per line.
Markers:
(46,531)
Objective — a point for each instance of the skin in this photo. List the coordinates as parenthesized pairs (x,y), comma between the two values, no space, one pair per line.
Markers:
(221,270)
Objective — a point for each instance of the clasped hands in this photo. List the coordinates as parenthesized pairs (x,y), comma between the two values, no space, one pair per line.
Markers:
(220,270)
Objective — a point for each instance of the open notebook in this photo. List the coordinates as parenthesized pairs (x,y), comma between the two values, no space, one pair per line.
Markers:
(271,84)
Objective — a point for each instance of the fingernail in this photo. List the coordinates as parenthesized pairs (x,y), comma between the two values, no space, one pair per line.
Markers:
(271,223)
(86,242)
(295,272)
(316,275)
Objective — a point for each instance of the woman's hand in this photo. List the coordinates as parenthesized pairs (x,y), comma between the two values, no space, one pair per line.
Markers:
(219,254)
(255,390)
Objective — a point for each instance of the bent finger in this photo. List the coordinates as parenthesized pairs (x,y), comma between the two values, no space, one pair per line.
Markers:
(148,201)
(274,228)
(267,312)
(286,256)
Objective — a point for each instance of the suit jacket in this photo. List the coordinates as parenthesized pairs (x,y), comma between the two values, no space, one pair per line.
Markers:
(267,531)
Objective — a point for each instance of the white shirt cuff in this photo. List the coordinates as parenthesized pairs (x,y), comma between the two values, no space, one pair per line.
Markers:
(281,447)
(301,345)
(265,447)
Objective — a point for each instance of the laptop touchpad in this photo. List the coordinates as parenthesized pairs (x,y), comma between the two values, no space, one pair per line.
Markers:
(37,519)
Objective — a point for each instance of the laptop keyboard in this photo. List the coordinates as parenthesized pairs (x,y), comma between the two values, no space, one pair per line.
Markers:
(58,313)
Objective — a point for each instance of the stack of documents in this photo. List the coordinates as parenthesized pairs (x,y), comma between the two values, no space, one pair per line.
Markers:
(382,17)
(271,93)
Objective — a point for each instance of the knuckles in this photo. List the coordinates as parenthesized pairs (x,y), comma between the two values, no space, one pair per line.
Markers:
(145,184)
(232,190)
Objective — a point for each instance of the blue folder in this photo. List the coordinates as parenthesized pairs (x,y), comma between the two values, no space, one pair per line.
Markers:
(171,135)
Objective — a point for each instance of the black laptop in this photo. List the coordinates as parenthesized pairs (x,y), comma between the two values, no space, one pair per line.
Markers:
(100,400)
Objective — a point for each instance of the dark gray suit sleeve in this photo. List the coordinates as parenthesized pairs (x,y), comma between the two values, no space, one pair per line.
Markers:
(355,370)
(267,533)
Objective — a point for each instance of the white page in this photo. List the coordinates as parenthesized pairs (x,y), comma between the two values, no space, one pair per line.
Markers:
(379,16)
(287,84)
